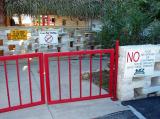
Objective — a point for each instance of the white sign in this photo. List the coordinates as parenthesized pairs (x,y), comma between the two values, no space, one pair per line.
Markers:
(48,37)
(140,62)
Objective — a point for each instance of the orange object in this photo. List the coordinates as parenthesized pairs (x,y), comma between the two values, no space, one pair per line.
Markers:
(11,47)
(1,42)
(9,36)
(1,52)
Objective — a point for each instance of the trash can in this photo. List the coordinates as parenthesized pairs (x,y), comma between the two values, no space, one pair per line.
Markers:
(71,44)
(59,49)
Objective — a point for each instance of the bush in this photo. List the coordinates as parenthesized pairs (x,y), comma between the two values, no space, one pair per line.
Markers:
(127,20)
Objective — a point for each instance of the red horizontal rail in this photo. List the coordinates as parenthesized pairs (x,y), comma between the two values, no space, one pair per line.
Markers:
(16,59)
(21,56)
(21,106)
(85,52)
(79,99)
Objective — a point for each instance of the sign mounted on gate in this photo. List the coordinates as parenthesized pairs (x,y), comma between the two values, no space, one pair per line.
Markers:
(48,37)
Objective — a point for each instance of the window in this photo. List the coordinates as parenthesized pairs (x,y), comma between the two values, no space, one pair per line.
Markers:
(53,20)
(64,22)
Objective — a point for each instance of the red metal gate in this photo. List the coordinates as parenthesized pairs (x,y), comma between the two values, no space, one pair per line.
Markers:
(12,67)
(18,80)
(60,88)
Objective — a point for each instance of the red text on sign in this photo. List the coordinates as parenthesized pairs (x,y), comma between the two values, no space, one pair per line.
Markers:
(133,56)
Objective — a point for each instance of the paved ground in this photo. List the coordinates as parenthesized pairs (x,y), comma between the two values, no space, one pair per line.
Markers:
(148,107)
(78,110)
(126,114)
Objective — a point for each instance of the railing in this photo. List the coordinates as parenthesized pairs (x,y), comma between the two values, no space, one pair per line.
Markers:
(16,77)
(67,56)
(22,77)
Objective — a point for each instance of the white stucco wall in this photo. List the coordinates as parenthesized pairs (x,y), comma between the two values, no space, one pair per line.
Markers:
(139,71)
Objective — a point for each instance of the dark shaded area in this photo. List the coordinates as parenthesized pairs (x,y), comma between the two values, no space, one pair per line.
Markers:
(96,78)
(12,22)
(127,114)
(149,107)
(105,79)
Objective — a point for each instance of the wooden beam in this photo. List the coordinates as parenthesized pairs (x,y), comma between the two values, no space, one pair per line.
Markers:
(20,20)
(2,18)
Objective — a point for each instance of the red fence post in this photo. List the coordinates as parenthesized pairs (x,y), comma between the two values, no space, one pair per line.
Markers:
(42,82)
(91,75)
(7,86)
(70,77)
(18,77)
(100,76)
(47,72)
(80,72)
(30,81)
(116,71)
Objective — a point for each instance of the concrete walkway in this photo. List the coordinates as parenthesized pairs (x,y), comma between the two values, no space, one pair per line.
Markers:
(77,110)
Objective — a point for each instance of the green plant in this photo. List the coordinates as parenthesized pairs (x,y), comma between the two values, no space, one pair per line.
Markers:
(74,8)
(126,20)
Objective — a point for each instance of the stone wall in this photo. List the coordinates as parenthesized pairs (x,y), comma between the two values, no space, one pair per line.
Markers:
(139,71)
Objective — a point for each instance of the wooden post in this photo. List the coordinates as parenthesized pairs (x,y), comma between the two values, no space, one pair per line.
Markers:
(20,20)
(43,20)
(7,21)
(48,20)
(39,20)
(2,18)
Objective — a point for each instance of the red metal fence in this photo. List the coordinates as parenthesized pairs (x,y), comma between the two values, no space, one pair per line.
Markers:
(64,85)
(57,57)
(19,80)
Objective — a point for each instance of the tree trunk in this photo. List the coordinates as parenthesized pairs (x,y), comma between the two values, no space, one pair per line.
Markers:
(20,20)
(2,18)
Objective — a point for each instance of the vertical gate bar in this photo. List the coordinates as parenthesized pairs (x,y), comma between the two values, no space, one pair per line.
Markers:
(19,86)
(90,75)
(47,79)
(111,73)
(48,20)
(30,82)
(80,72)
(41,74)
(100,76)
(70,78)
(116,70)
(43,20)
(59,78)
(6,76)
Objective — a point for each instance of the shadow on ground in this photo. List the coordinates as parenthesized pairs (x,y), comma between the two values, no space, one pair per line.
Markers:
(127,114)
(149,107)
